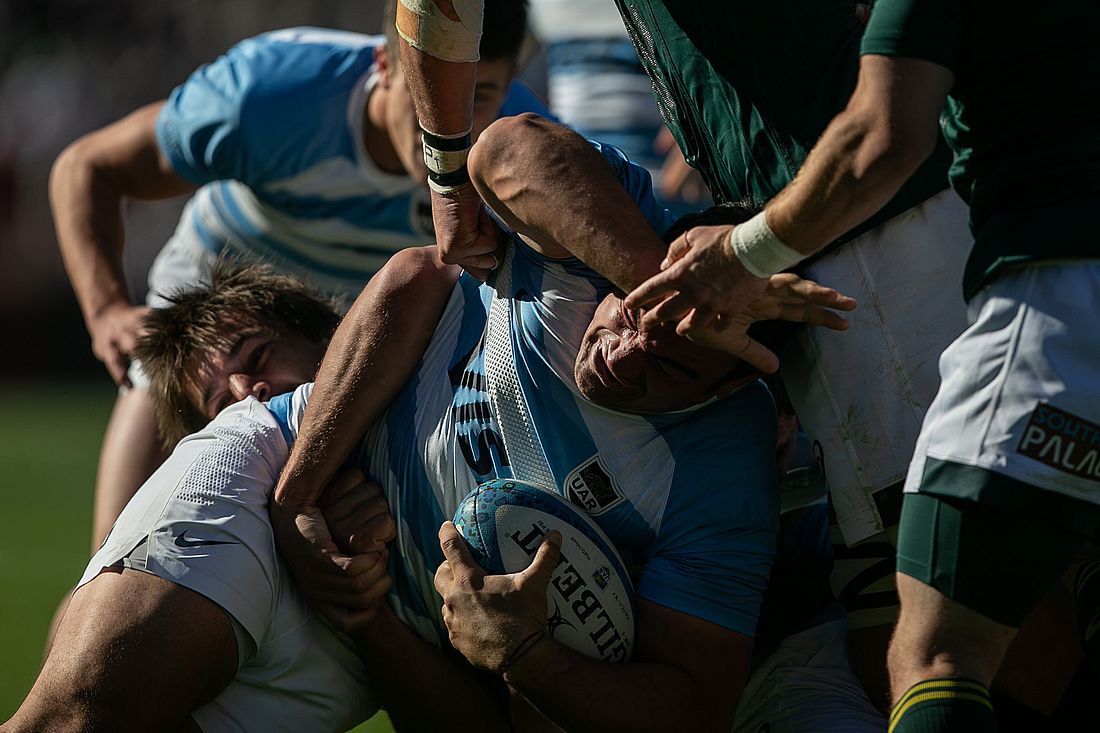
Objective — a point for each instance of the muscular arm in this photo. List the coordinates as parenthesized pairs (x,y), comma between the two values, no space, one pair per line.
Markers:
(686,673)
(88,184)
(865,155)
(551,186)
(442,92)
(403,666)
(372,354)
(113,667)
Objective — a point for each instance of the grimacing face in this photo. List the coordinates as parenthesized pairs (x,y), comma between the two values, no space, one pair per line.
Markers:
(628,366)
(259,362)
(493,79)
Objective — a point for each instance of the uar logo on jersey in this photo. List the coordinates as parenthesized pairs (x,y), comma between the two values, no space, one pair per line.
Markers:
(591,487)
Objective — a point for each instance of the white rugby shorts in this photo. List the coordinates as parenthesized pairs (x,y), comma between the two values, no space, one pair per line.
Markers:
(862,394)
(806,684)
(1021,386)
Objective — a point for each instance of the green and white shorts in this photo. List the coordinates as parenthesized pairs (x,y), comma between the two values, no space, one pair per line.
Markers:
(1004,487)
(1020,391)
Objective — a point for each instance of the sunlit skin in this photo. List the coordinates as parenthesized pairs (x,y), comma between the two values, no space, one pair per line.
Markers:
(401,151)
(627,365)
(258,362)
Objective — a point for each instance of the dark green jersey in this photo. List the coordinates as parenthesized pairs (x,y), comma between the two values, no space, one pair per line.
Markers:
(1023,118)
(748,87)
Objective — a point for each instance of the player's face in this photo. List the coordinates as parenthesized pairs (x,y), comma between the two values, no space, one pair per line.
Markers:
(625,365)
(258,362)
(492,81)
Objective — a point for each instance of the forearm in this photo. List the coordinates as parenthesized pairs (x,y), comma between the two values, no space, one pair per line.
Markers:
(865,155)
(550,185)
(442,91)
(636,696)
(87,213)
(371,357)
(88,184)
(402,666)
(849,175)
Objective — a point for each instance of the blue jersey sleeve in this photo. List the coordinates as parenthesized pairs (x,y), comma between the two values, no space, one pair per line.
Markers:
(199,127)
(717,541)
(270,108)
(639,184)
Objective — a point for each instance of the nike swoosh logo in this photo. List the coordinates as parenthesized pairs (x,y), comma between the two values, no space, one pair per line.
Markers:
(182,541)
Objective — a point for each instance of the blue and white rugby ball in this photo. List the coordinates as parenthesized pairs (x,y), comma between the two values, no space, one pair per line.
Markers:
(590,601)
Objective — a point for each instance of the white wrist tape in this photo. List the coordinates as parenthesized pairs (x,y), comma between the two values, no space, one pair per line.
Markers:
(445,153)
(762,253)
(426,28)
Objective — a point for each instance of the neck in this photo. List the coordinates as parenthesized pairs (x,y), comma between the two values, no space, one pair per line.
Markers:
(376,137)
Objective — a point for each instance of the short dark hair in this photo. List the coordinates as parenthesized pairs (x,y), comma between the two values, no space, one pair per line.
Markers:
(773,334)
(502,32)
(204,319)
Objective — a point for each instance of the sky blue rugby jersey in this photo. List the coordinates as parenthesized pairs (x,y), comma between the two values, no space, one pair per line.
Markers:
(690,498)
(271,131)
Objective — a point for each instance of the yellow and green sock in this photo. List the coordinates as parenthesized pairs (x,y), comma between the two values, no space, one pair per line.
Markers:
(944,705)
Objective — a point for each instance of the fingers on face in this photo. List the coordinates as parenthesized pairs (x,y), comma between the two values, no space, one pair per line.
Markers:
(674,308)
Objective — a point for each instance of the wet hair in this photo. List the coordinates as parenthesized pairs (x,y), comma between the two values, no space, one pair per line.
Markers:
(206,319)
(502,32)
(773,334)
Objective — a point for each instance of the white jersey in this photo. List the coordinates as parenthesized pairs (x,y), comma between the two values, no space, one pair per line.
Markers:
(201,522)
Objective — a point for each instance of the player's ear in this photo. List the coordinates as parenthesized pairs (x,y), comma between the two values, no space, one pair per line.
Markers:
(382,63)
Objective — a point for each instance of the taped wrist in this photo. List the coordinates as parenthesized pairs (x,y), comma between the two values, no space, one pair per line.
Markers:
(761,252)
(445,157)
(427,29)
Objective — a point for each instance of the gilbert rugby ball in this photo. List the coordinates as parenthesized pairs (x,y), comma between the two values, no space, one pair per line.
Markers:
(590,600)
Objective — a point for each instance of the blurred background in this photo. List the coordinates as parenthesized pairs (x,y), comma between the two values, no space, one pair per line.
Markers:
(68,67)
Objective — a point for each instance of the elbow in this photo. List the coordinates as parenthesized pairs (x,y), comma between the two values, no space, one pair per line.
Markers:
(903,148)
(411,275)
(69,167)
(509,144)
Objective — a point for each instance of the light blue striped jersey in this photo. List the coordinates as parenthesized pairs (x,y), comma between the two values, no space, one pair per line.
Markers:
(689,498)
(272,133)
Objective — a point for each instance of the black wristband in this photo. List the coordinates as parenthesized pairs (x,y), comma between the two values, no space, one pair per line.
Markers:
(447,144)
(450,180)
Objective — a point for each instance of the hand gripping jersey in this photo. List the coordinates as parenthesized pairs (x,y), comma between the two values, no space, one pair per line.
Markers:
(690,498)
(272,132)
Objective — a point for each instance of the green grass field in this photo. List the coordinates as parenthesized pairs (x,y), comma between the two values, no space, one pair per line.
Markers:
(49,440)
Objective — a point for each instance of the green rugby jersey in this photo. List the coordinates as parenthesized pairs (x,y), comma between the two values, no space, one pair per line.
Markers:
(1023,119)
(747,89)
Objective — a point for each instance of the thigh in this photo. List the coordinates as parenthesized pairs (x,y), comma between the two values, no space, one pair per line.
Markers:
(996,560)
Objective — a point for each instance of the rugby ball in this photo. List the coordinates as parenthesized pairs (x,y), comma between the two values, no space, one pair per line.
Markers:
(590,600)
